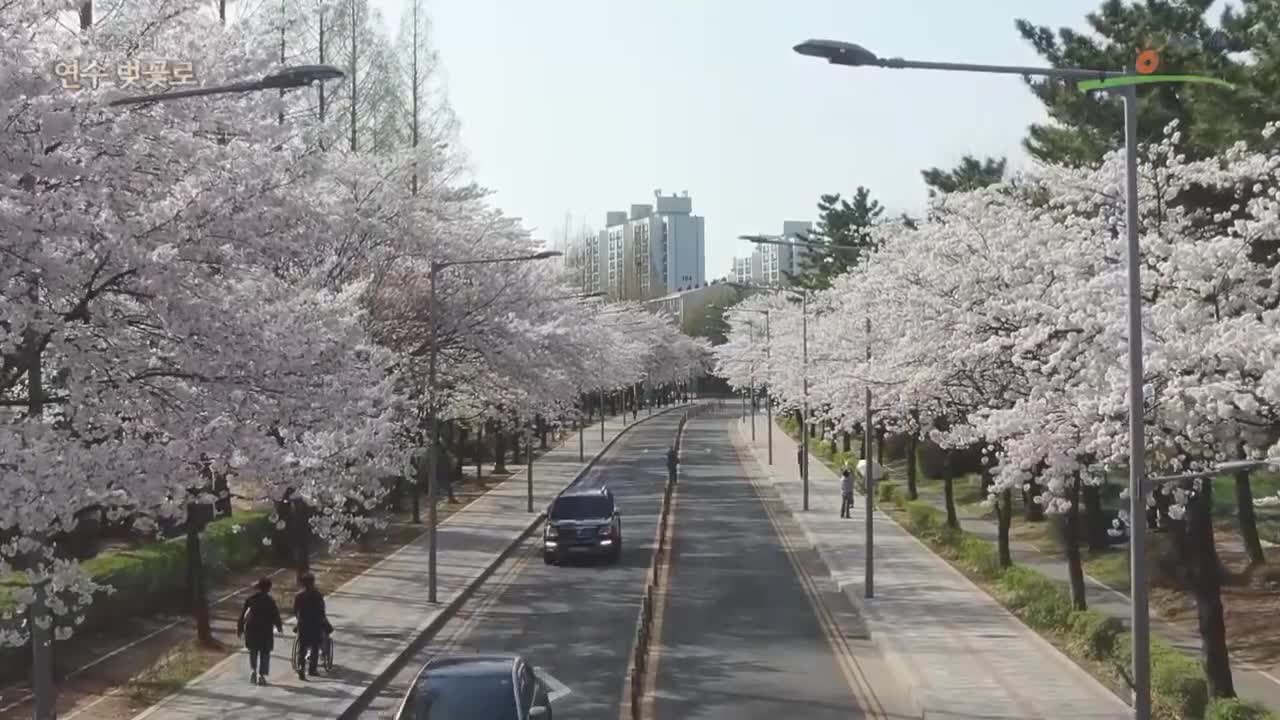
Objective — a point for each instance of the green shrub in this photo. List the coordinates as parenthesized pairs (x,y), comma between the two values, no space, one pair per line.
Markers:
(977,555)
(1034,598)
(1178,681)
(1236,709)
(886,491)
(1178,686)
(1095,634)
(922,517)
(153,577)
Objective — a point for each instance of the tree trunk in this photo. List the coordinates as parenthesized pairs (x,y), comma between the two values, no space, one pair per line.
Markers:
(500,452)
(1004,512)
(949,496)
(299,524)
(1032,511)
(846,442)
(222,489)
(42,638)
(1247,519)
(479,446)
(1202,575)
(1075,565)
(912,491)
(451,450)
(1095,519)
(879,436)
(542,432)
(419,482)
(199,595)
(460,460)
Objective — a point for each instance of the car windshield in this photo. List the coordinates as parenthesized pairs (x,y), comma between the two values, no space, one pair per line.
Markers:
(581,507)
(461,697)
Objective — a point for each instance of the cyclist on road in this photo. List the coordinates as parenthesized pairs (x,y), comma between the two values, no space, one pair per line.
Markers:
(313,625)
(258,617)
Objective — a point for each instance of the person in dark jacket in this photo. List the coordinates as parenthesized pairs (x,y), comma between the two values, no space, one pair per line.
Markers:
(313,623)
(257,619)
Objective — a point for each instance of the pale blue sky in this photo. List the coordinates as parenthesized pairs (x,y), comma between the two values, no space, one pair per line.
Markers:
(590,105)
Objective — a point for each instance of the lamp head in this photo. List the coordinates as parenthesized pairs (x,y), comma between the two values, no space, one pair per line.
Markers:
(301,76)
(838,53)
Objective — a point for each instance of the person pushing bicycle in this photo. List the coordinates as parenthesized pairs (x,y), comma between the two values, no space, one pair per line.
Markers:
(313,625)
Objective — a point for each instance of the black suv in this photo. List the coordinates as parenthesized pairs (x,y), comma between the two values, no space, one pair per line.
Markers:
(585,521)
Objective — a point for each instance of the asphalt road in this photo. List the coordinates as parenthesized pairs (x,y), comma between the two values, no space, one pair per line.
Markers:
(745,631)
(575,622)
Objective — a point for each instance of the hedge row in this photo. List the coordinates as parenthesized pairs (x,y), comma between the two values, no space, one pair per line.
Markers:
(153,577)
(1178,687)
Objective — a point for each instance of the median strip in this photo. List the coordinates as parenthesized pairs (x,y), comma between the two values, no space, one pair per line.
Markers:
(637,699)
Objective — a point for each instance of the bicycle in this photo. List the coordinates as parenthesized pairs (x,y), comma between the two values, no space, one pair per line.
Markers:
(326,653)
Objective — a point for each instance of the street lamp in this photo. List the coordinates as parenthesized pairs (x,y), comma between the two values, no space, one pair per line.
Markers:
(844,53)
(868,585)
(432,491)
(768,341)
(804,350)
(290,77)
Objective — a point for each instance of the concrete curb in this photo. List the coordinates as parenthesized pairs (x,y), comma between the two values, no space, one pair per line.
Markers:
(427,631)
(637,696)
(888,650)
(920,696)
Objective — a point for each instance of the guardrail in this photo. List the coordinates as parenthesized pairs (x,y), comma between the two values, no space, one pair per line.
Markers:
(644,625)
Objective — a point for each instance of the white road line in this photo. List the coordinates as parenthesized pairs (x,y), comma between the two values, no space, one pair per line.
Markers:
(557,689)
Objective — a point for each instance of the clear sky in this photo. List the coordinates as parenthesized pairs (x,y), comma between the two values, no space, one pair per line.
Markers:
(584,106)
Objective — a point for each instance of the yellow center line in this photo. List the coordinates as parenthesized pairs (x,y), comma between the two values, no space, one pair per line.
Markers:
(649,696)
(847,662)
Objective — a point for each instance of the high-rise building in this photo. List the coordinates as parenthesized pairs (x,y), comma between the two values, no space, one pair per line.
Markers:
(653,250)
(771,264)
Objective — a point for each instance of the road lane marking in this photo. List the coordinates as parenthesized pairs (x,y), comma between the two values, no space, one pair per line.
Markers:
(649,689)
(655,624)
(494,591)
(555,688)
(846,661)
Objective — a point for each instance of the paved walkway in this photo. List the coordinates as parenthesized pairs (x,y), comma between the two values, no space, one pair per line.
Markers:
(963,655)
(1260,684)
(377,614)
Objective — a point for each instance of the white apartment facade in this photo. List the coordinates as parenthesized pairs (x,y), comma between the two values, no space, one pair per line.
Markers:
(653,250)
(771,264)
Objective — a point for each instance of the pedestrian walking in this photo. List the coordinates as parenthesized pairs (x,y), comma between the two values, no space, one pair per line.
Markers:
(673,461)
(846,493)
(257,619)
(313,624)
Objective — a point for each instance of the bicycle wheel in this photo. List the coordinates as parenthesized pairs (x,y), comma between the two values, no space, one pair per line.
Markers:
(298,658)
(326,655)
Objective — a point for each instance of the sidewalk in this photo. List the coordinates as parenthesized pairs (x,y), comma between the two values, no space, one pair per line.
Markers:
(1252,683)
(960,654)
(378,614)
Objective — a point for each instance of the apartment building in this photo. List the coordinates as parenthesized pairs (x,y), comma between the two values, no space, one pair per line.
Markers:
(651,251)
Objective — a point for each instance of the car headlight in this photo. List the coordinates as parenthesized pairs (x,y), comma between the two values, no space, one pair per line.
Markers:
(605,529)
(552,531)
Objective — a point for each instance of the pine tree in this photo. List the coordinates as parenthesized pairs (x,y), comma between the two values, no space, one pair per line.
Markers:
(970,174)
(841,223)
(1087,125)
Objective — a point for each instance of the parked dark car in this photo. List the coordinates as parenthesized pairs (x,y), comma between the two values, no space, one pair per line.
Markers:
(582,521)
(476,687)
